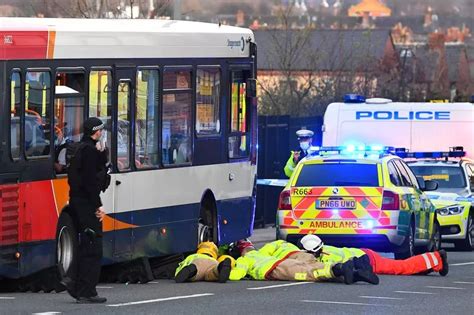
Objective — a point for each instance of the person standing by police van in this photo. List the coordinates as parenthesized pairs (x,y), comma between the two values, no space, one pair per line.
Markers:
(87,176)
(305,137)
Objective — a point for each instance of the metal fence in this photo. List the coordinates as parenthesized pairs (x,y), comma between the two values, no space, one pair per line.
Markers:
(276,138)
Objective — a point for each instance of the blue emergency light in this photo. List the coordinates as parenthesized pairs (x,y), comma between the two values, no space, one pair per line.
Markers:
(354,98)
(455,152)
(352,149)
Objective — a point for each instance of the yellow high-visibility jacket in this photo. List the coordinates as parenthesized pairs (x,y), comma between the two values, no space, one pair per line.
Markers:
(335,255)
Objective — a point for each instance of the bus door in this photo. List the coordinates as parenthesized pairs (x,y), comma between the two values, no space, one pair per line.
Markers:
(122,184)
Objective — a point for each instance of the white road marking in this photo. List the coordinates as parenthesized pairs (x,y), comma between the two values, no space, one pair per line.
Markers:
(414,292)
(447,288)
(343,303)
(154,282)
(7,298)
(278,286)
(379,297)
(104,287)
(462,264)
(47,313)
(162,300)
(463,282)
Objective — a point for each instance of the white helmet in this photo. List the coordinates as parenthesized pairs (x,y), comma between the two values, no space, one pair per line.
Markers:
(311,243)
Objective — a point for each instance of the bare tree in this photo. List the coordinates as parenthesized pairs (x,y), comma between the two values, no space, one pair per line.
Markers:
(96,8)
(309,72)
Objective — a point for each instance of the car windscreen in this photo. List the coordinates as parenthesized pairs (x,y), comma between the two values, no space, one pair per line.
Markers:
(446,176)
(338,174)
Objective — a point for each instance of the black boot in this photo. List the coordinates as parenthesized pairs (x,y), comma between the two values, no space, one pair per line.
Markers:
(366,276)
(362,263)
(186,273)
(224,268)
(345,270)
(444,258)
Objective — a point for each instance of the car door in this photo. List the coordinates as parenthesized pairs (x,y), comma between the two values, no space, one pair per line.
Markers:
(421,204)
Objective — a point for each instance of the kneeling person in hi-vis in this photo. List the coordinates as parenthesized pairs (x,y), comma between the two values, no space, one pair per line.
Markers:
(436,261)
(204,265)
(281,260)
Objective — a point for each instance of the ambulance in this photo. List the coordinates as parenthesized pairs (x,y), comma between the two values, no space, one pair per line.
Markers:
(415,126)
(423,129)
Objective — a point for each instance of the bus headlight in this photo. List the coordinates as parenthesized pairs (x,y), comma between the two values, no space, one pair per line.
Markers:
(450,210)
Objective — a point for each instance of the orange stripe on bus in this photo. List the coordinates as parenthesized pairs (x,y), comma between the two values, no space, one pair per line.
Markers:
(51,42)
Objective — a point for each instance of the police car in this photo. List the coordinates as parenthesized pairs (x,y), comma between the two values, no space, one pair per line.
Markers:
(453,198)
(359,196)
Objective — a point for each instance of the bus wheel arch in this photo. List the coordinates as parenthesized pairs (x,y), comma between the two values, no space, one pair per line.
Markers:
(207,222)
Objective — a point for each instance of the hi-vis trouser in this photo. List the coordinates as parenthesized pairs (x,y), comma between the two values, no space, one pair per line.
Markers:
(410,266)
(206,267)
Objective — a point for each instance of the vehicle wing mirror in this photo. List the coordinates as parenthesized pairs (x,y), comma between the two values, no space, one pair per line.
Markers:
(471,181)
(251,89)
(421,182)
(430,185)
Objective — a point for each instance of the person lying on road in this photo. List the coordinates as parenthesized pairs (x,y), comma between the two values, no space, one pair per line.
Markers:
(436,261)
(289,264)
(204,265)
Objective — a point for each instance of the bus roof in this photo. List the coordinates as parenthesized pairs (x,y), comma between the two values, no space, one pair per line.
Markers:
(37,38)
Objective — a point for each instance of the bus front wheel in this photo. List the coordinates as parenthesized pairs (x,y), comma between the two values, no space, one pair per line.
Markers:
(66,247)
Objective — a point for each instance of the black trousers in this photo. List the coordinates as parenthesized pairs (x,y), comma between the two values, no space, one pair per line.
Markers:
(88,263)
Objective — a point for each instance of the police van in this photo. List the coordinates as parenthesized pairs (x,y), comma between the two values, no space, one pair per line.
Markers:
(415,126)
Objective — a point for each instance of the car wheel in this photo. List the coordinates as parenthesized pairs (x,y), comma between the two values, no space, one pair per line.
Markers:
(467,244)
(435,243)
(408,247)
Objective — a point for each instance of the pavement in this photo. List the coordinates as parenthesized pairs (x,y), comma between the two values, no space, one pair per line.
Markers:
(453,294)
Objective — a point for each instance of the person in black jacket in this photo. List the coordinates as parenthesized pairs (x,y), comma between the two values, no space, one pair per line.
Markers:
(85,184)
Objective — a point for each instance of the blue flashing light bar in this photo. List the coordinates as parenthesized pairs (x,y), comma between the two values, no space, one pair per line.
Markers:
(351,149)
(354,98)
(455,152)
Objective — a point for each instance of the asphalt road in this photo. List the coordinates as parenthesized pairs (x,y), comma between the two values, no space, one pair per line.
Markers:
(453,294)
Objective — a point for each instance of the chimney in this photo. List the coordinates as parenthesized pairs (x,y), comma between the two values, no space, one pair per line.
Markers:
(436,41)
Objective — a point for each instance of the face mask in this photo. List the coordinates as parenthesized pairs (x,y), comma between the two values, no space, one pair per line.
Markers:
(304,146)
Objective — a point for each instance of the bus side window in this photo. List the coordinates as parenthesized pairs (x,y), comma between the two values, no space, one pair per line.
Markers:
(15,112)
(37,113)
(177,118)
(238,140)
(123,126)
(100,101)
(208,82)
(146,119)
(68,114)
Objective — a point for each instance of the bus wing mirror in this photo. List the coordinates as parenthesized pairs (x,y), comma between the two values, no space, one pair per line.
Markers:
(251,89)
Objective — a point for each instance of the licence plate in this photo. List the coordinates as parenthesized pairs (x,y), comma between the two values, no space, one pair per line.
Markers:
(335,204)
